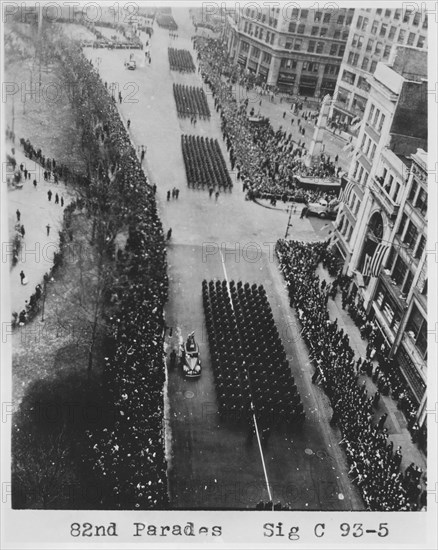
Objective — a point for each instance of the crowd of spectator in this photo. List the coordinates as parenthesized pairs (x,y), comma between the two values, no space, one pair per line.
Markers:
(267,161)
(128,454)
(205,166)
(166,21)
(191,101)
(374,464)
(180,60)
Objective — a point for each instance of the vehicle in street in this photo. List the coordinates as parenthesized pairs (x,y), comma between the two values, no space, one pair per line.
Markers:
(131,64)
(191,360)
(323,209)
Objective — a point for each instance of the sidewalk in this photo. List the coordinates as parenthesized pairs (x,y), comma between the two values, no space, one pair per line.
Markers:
(37,250)
(396,422)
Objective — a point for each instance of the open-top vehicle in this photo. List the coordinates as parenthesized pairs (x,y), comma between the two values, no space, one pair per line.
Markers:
(191,360)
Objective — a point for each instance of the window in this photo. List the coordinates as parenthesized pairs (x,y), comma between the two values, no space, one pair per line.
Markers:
(256,32)
(349,20)
(408,283)
(292,27)
(266,57)
(383,29)
(421,202)
(417,329)
(402,224)
(355,40)
(407,16)
(337,35)
(417,19)
(364,24)
(425,22)
(349,77)
(261,34)
(311,46)
(272,38)
(399,271)
(381,123)
(370,45)
(379,12)
(323,31)
(340,20)
(341,50)
(401,36)
(420,42)
(420,248)
(314,31)
(374,27)
(387,13)
(411,39)
(297,44)
(288,45)
(304,14)
(411,236)
(392,33)
(373,151)
(373,66)
(397,14)
(413,191)
(317,17)
(327,18)
(301,28)
(365,62)
(267,36)
(378,49)
(386,52)
(376,117)
(331,69)
(333,49)
(319,47)
(245,28)
(370,114)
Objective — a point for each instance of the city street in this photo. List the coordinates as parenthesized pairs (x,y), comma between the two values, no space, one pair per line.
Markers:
(211,464)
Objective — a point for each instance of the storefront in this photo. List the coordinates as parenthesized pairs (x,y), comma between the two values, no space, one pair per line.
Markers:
(286,82)
(308,85)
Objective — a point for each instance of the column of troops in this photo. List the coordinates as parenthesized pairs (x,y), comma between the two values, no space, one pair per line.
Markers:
(204,163)
(252,373)
(191,101)
(180,60)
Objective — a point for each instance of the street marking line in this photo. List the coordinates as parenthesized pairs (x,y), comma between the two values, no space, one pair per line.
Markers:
(252,404)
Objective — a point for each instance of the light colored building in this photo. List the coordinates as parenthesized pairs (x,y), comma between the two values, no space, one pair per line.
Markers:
(298,50)
(374,33)
(384,208)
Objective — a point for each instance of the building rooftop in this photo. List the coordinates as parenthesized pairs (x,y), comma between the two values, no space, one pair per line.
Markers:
(410,63)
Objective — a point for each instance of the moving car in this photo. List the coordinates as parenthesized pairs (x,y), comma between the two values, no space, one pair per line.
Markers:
(323,209)
(191,361)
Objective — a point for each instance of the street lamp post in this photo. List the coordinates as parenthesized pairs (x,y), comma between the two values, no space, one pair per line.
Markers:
(288,222)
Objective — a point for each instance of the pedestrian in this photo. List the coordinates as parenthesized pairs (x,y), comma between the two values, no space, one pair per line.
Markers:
(381,422)
(48,229)
(49,195)
(22,231)
(173,359)
(216,195)
(173,192)
(143,152)
(22,276)
(169,234)
(35,183)
(210,191)
(56,198)
(168,195)
(62,201)
(176,193)
(18,215)
(129,123)
(284,114)
(120,97)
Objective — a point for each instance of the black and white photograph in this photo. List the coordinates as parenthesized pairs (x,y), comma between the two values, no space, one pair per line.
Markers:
(218,225)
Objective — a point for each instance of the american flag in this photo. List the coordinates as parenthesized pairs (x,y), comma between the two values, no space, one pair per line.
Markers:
(373,264)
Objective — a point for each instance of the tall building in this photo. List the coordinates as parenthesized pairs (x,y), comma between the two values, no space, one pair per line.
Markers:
(298,50)
(382,224)
(374,33)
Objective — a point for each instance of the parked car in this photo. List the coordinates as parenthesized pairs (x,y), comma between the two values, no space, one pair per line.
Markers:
(191,360)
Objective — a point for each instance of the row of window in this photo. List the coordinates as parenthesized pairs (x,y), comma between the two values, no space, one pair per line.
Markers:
(317,31)
(255,52)
(376,119)
(368,147)
(292,64)
(360,174)
(390,184)
(321,17)
(418,197)
(362,22)
(336,50)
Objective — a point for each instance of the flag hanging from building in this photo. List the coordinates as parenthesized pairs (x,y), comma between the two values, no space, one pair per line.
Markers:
(373,264)
(366,271)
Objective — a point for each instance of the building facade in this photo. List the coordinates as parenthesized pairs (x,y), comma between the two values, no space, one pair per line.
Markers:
(384,211)
(297,50)
(374,33)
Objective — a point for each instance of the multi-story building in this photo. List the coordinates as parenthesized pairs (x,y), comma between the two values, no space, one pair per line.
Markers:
(383,212)
(298,50)
(374,33)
